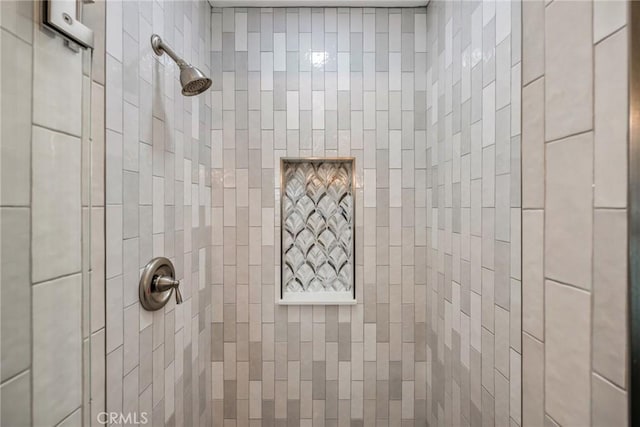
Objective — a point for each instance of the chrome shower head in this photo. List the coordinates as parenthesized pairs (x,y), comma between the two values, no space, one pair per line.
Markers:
(193,81)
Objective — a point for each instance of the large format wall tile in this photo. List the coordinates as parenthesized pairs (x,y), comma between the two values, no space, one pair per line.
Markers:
(56,211)
(608,403)
(568,63)
(608,16)
(533,273)
(15,293)
(567,354)
(582,221)
(568,216)
(44,218)
(15,398)
(610,121)
(533,144)
(57,81)
(610,289)
(57,363)
(16,88)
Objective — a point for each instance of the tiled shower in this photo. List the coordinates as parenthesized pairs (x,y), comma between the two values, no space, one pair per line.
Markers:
(326,83)
(489,143)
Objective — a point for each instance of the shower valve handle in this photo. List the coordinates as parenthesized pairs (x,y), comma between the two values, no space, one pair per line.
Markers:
(157,283)
(166,283)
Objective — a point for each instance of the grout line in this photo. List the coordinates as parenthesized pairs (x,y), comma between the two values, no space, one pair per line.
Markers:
(569,285)
(15,376)
(607,37)
(608,381)
(52,279)
(58,131)
(36,11)
(593,222)
(541,342)
(69,415)
(562,138)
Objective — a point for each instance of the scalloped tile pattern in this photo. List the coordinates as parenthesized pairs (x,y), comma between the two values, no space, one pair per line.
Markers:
(317,209)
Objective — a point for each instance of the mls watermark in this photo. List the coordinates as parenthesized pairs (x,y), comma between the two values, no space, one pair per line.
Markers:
(118,418)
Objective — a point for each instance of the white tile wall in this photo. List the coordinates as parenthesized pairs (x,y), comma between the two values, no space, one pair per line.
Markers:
(158,154)
(316,82)
(57,355)
(56,242)
(574,156)
(473,267)
(45,183)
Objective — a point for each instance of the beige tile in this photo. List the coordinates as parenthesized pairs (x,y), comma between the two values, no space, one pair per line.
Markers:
(568,72)
(515,387)
(488,299)
(532,43)
(610,295)
(533,272)
(15,291)
(56,202)
(98,373)
(15,84)
(73,420)
(97,144)
(611,121)
(488,361)
(98,271)
(550,422)
(609,403)
(52,60)
(113,241)
(17,17)
(501,409)
(532,381)
(568,216)
(515,316)
(93,16)
(567,354)
(15,400)
(533,144)
(502,341)
(608,16)
(57,352)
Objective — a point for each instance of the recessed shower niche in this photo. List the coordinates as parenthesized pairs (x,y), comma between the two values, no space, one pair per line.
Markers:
(317,231)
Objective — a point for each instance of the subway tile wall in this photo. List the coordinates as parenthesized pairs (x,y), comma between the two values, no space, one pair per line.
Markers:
(158,198)
(574,217)
(473,213)
(319,82)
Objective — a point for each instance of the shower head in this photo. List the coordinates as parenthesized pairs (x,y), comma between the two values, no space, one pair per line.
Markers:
(193,81)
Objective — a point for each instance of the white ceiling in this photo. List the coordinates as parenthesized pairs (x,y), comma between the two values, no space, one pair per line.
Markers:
(318,3)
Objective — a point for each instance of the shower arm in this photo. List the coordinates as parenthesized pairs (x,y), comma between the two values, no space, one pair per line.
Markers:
(160,47)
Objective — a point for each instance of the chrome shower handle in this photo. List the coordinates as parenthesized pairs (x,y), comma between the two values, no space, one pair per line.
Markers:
(166,283)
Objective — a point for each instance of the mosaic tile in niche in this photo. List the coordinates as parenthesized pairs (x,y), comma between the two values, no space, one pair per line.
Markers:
(317,226)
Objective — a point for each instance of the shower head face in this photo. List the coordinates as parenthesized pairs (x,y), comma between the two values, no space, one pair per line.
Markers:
(193,81)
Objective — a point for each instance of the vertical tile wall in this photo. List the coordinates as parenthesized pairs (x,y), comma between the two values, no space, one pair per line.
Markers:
(574,218)
(44,219)
(158,202)
(94,16)
(319,82)
(473,213)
